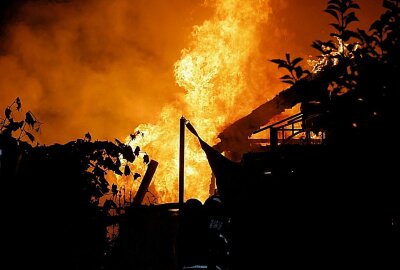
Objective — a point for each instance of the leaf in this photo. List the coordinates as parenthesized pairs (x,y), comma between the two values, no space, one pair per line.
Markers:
(117,163)
(88,137)
(146,159)
(117,171)
(114,189)
(336,26)
(299,72)
(343,7)
(119,142)
(355,35)
(333,7)
(128,154)
(29,119)
(324,47)
(20,124)
(347,34)
(389,5)
(136,176)
(296,61)
(354,5)
(317,45)
(351,17)
(30,136)
(362,34)
(8,113)
(377,25)
(332,12)
(13,126)
(330,44)
(287,57)
(18,101)
(133,136)
(137,151)
(278,61)
(127,170)
(285,65)
(286,77)
(288,81)
(335,35)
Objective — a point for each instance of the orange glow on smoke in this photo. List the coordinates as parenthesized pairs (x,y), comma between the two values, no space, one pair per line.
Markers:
(214,70)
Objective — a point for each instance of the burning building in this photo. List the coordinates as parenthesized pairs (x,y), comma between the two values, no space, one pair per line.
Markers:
(317,186)
(318,189)
(223,72)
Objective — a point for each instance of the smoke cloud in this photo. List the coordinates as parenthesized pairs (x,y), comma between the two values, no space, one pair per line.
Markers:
(98,66)
(107,66)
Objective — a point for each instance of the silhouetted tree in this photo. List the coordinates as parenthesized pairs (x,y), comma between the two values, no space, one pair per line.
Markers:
(53,195)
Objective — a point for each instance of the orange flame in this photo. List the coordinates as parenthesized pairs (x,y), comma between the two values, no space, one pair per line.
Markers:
(214,71)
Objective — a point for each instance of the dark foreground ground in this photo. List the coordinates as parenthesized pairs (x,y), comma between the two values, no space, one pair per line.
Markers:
(302,206)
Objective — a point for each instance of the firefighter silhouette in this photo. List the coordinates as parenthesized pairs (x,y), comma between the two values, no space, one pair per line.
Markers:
(206,235)
(218,223)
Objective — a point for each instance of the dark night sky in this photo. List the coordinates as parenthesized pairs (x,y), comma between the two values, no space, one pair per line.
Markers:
(7,8)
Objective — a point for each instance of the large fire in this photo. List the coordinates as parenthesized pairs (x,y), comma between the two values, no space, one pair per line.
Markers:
(105,67)
(215,71)
(220,71)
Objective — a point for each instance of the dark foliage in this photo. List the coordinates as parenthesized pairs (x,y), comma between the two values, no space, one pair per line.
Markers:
(10,125)
(295,72)
(336,203)
(53,204)
(357,74)
(315,206)
(51,193)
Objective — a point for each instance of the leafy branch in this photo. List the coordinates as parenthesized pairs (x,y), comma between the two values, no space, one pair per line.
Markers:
(341,10)
(98,158)
(9,124)
(333,52)
(385,32)
(295,72)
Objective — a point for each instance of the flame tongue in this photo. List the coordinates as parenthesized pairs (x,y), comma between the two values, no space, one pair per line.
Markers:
(214,72)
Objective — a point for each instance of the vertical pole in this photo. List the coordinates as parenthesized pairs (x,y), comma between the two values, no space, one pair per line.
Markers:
(308,136)
(273,138)
(181,162)
(180,247)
